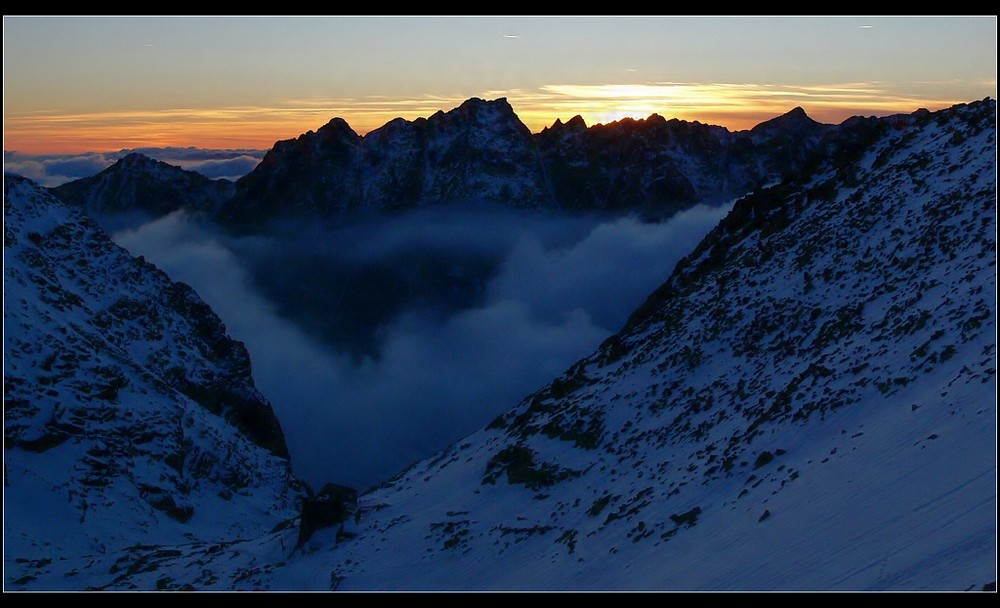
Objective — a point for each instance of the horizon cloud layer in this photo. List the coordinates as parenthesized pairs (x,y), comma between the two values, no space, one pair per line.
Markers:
(50,170)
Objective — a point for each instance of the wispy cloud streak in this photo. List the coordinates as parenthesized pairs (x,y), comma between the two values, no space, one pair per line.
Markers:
(733,105)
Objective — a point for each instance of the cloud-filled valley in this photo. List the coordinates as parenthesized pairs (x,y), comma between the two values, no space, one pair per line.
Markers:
(383,341)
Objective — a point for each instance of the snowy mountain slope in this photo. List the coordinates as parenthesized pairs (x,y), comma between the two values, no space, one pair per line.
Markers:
(137,183)
(481,151)
(130,417)
(808,403)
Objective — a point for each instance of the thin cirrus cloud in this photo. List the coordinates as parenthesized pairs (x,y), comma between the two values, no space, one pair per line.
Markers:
(733,105)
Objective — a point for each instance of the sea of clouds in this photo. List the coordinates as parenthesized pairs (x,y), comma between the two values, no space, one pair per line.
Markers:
(519,297)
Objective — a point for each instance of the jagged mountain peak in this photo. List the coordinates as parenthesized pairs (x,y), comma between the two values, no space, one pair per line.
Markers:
(335,129)
(573,125)
(576,123)
(482,114)
(137,161)
(133,159)
(140,184)
(471,113)
(795,119)
(476,104)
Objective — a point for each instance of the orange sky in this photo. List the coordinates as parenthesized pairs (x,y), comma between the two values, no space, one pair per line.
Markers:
(104,83)
(733,106)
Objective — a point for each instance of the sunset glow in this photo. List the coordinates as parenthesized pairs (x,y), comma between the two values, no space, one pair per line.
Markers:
(734,106)
(68,88)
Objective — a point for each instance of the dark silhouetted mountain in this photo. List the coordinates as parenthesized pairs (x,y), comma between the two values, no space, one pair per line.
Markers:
(795,121)
(657,167)
(478,151)
(482,152)
(789,138)
(137,183)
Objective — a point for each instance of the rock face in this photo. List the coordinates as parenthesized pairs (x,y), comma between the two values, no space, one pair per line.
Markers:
(482,152)
(130,417)
(332,505)
(137,183)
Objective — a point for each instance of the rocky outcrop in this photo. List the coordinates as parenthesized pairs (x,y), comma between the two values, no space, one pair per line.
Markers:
(331,506)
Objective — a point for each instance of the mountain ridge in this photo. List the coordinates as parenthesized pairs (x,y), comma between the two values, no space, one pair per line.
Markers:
(479,151)
(482,151)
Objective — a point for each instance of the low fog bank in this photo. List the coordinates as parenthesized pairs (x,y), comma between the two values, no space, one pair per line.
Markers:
(51,170)
(381,342)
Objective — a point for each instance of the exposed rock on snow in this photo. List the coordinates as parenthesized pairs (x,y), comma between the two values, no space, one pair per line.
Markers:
(130,417)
